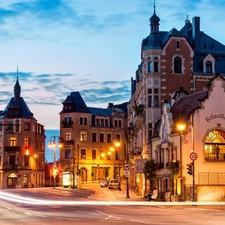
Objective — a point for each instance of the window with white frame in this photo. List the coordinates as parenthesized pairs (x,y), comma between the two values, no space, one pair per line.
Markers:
(150,65)
(208,67)
(156,64)
(153,97)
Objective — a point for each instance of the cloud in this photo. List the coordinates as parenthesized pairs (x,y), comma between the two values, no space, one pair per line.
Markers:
(51,89)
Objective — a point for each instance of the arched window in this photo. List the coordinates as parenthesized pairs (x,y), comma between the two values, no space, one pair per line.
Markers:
(156,65)
(150,65)
(208,67)
(215,146)
(177,65)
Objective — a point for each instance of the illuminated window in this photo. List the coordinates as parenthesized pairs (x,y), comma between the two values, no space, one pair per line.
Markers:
(68,136)
(83,154)
(83,136)
(26,142)
(215,146)
(12,141)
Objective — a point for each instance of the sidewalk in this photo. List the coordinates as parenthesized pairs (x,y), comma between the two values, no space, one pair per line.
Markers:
(104,194)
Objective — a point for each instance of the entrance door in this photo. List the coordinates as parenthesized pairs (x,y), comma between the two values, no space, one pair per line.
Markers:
(11,182)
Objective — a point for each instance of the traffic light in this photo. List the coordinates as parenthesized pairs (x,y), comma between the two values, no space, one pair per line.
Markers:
(190,168)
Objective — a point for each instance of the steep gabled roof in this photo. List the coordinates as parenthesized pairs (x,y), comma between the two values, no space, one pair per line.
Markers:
(17,103)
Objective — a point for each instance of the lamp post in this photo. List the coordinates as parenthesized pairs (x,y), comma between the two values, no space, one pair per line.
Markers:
(112,149)
(181,127)
(53,144)
(127,158)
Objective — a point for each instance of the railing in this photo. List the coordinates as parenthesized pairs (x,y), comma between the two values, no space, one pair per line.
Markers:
(211,178)
(12,148)
(11,167)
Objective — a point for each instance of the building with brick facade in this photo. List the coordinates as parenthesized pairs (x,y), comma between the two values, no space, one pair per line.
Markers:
(22,145)
(174,64)
(87,133)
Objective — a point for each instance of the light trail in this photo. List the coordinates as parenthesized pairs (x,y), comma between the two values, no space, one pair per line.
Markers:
(32,201)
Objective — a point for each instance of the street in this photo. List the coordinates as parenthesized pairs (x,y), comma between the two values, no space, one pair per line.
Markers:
(47,206)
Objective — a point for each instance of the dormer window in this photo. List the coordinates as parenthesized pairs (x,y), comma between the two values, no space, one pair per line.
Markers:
(208,67)
(209,64)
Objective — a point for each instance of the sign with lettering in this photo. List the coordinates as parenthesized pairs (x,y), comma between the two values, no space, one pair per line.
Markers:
(215,116)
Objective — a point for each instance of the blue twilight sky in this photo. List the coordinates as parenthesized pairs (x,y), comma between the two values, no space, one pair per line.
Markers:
(91,46)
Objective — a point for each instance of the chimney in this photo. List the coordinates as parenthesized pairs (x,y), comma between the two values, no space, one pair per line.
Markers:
(196,32)
(110,105)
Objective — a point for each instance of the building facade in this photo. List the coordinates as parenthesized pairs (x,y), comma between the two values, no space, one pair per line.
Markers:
(87,134)
(203,136)
(22,150)
(173,64)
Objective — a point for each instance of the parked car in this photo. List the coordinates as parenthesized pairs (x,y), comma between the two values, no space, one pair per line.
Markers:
(114,184)
(104,183)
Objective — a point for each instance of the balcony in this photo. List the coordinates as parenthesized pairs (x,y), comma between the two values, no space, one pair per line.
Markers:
(67,124)
(12,148)
(70,142)
(11,167)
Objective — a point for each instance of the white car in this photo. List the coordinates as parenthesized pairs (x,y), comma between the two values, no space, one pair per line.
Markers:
(114,184)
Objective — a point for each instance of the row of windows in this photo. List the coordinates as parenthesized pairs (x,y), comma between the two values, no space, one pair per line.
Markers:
(102,155)
(15,126)
(95,137)
(12,161)
(98,121)
(153,65)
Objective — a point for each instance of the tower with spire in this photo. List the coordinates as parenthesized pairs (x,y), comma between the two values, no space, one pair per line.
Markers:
(23,145)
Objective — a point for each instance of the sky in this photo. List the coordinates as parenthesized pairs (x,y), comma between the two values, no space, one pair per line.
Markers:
(90,46)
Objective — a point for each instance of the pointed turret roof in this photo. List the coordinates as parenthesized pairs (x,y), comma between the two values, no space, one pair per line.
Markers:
(18,104)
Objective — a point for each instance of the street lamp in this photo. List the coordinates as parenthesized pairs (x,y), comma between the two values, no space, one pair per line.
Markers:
(53,144)
(181,126)
(127,158)
(112,149)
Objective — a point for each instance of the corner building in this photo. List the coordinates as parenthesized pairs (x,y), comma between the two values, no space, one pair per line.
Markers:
(22,145)
(174,64)
(87,133)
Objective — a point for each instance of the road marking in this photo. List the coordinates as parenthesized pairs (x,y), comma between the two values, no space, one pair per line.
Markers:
(30,214)
(109,216)
(5,207)
(137,221)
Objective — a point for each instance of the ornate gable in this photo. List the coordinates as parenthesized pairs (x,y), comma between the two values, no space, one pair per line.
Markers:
(167,122)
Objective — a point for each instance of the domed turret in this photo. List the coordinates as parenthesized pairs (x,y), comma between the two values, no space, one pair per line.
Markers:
(154,22)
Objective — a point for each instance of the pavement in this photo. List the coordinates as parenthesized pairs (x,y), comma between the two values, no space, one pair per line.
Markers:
(105,194)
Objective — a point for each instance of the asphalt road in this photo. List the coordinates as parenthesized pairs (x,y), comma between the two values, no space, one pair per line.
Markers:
(24,208)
